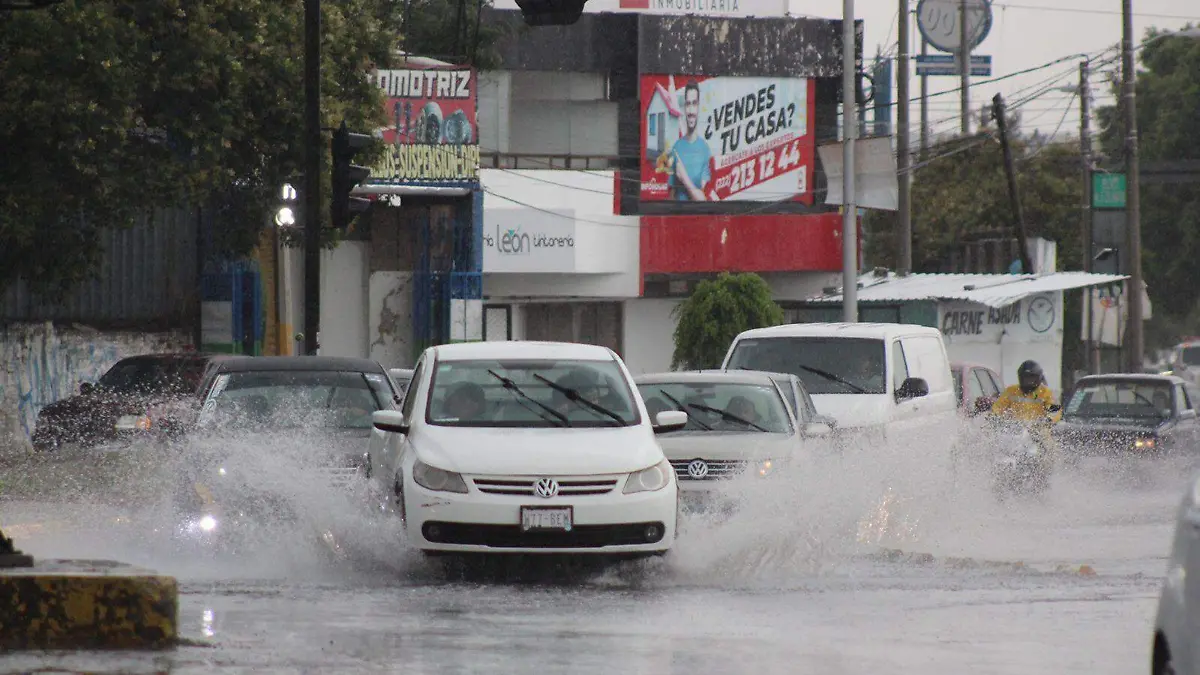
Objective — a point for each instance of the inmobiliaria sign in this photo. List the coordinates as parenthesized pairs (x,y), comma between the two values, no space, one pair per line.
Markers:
(432,135)
(727,138)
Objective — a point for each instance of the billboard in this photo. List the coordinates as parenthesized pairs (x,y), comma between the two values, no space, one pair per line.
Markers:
(727,139)
(432,135)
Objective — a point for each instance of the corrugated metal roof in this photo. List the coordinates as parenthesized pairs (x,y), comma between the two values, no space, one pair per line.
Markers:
(992,290)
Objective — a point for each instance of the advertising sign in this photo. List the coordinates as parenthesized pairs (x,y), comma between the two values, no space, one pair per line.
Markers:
(704,8)
(525,240)
(727,139)
(432,135)
(1037,318)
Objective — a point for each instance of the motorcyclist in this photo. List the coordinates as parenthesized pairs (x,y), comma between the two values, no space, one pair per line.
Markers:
(1030,403)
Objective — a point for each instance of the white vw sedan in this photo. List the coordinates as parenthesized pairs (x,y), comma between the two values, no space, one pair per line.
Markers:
(526,447)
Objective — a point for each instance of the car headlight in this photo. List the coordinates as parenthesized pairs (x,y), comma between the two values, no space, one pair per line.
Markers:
(655,478)
(1144,443)
(132,423)
(766,468)
(438,480)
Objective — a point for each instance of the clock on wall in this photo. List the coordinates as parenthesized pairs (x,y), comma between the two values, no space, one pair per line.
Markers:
(1040,314)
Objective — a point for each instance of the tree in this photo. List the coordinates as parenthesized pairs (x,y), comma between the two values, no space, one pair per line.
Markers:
(1168,96)
(709,320)
(961,193)
(110,109)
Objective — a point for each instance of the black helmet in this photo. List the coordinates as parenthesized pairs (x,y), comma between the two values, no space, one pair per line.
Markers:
(1030,376)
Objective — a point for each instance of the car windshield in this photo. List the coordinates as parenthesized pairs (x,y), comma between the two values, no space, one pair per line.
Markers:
(1120,399)
(824,365)
(150,375)
(720,406)
(530,393)
(1190,356)
(291,398)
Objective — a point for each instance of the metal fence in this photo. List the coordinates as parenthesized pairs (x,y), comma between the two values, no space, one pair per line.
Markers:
(147,278)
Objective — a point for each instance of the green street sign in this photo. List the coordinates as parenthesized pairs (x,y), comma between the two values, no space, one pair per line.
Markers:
(1108,190)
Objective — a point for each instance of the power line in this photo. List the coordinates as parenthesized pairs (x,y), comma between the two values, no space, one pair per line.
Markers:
(1081,10)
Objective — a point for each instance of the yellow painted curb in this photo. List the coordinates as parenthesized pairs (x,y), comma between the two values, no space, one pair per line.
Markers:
(87,604)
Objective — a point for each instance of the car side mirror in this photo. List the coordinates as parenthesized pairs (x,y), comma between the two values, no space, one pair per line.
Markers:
(670,420)
(86,388)
(1187,414)
(913,387)
(817,430)
(391,421)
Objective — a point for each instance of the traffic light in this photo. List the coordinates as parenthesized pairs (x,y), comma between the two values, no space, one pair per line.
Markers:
(551,12)
(346,176)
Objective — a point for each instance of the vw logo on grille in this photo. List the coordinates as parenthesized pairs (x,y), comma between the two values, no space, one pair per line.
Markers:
(697,468)
(546,487)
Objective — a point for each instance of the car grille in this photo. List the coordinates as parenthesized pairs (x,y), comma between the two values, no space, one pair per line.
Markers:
(718,469)
(511,536)
(567,487)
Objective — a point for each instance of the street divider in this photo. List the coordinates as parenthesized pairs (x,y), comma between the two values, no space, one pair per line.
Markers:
(894,555)
(86,604)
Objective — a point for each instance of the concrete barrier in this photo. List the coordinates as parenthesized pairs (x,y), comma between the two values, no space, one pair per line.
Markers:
(86,604)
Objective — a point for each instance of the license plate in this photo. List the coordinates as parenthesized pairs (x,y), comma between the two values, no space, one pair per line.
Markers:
(546,518)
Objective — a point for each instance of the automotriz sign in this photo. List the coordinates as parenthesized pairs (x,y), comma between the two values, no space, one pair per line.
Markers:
(432,135)
(1033,319)
(526,240)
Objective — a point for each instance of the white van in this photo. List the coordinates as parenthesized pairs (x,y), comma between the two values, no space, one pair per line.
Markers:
(883,379)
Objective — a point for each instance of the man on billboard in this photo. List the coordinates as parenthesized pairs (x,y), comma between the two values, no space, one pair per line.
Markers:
(690,156)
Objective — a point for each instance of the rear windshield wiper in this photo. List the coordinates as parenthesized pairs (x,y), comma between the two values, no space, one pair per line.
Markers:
(511,386)
(573,395)
(682,407)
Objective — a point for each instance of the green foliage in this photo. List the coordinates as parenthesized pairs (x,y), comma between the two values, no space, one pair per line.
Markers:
(1168,98)
(715,314)
(112,108)
(962,193)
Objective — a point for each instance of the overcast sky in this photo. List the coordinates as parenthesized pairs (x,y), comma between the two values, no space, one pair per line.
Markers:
(1025,34)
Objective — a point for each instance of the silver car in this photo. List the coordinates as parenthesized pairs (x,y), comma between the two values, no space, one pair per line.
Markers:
(738,423)
(1178,619)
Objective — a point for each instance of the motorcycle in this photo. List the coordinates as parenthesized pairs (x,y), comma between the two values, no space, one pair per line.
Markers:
(1023,466)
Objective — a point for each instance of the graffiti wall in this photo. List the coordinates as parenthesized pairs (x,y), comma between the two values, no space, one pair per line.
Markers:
(42,364)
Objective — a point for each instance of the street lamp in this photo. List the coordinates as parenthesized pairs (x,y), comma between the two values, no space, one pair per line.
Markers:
(286,215)
(1133,206)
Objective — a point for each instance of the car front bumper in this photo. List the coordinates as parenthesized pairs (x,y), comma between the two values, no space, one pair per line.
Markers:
(607,524)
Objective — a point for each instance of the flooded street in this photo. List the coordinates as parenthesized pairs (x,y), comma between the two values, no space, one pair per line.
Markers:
(799,580)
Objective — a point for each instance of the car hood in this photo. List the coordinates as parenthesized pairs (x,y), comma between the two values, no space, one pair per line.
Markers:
(687,445)
(855,410)
(531,452)
(1117,424)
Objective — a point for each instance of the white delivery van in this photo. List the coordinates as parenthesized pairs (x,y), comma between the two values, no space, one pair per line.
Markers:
(886,380)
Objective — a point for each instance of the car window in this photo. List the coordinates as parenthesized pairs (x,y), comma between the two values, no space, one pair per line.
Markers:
(956,376)
(991,383)
(152,376)
(1183,401)
(704,402)
(530,393)
(899,366)
(824,365)
(974,386)
(293,398)
(926,359)
(410,395)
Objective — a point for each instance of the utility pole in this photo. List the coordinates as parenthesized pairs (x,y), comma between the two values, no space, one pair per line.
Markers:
(1085,220)
(904,177)
(1133,219)
(1018,215)
(849,129)
(312,174)
(964,67)
(924,102)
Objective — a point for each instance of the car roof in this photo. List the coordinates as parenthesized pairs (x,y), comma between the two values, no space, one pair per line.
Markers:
(243,364)
(522,349)
(172,356)
(962,365)
(774,375)
(840,330)
(707,377)
(1130,377)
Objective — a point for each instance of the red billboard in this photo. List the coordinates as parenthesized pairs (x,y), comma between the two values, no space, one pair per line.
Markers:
(432,135)
(727,139)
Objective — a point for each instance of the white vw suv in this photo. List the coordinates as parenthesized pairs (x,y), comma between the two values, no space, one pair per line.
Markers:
(526,447)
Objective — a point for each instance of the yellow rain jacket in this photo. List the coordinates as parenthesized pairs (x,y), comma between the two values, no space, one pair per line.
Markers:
(1017,405)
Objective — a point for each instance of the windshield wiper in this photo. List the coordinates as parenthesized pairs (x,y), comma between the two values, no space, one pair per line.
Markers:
(833,378)
(725,414)
(573,395)
(682,407)
(512,387)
